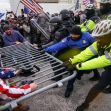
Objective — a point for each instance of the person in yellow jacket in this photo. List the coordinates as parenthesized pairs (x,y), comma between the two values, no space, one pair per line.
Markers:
(87,26)
(91,19)
(102,48)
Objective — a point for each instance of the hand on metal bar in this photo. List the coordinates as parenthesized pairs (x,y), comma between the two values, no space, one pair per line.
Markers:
(69,66)
(18,42)
(73,67)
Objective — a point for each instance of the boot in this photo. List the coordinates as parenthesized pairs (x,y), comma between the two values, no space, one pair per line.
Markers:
(82,107)
(70,86)
(26,73)
(68,91)
(96,76)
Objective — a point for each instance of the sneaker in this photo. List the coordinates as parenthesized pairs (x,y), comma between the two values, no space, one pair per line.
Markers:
(26,73)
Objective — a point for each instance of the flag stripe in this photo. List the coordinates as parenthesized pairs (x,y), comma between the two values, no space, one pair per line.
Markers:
(86,2)
(33,6)
(37,5)
(39,10)
(29,5)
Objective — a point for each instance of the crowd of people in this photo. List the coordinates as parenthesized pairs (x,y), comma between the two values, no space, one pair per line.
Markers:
(81,39)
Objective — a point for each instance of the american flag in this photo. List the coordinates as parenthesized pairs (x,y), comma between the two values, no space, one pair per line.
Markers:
(33,6)
(86,2)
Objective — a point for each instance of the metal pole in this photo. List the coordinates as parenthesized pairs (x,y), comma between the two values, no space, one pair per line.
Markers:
(17,8)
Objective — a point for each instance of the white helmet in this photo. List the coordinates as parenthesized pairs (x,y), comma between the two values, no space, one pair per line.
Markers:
(102,28)
(90,6)
(105,1)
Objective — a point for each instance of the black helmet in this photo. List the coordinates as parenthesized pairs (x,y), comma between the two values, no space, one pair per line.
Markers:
(42,16)
(90,11)
(42,19)
(55,20)
(54,23)
(65,14)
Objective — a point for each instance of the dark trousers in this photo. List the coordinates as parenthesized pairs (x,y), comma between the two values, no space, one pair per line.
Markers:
(100,86)
(79,75)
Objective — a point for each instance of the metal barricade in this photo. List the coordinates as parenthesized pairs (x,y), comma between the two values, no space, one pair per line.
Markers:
(26,56)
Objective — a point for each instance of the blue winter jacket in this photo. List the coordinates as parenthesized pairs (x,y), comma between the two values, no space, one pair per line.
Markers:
(82,43)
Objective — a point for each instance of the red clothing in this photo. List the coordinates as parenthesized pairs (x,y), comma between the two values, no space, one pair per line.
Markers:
(14,92)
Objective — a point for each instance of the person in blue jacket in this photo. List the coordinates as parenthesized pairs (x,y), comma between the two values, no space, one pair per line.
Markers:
(11,37)
(71,46)
(76,39)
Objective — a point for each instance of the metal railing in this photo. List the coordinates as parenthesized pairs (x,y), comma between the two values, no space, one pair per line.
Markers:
(26,56)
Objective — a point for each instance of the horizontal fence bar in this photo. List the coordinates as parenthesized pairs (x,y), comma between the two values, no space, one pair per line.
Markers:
(36,73)
(8,105)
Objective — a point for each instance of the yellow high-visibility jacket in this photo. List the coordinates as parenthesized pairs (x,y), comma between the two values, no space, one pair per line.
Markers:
(87,26)
(99,62)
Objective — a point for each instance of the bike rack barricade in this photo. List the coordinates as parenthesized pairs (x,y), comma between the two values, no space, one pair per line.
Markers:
(26,56)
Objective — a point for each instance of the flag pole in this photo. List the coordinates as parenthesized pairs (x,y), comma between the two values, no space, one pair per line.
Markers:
(17,7)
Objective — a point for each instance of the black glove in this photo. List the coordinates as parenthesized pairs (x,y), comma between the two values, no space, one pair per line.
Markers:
(26,73)
(81,72)
(66,63)
(69,66)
